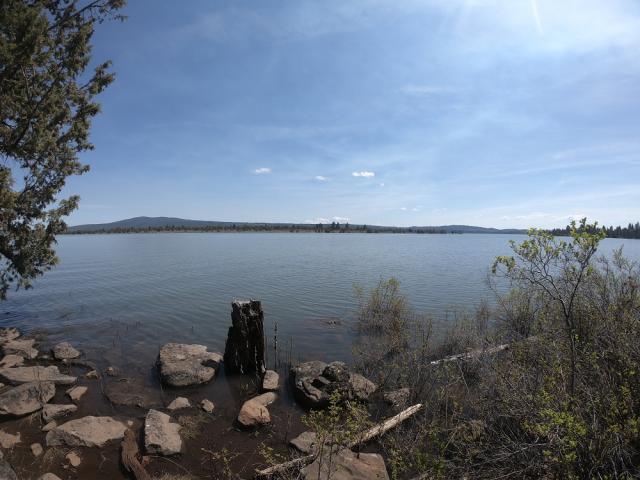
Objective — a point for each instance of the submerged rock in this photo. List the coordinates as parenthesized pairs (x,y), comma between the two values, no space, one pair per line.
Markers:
(8,333)
(6,472)
(64,351)
(36,449)
(244,349)
(54,412)
(207,405)
(26,398)
(87,432)
(22,347)
(74,459)
(161,435)
(132,393)
(270,381)
(182,365)
(75,393)
(179,403)
(36,374)
(306,442)
(49,476)
(8,440)
(11,360)
(347,465)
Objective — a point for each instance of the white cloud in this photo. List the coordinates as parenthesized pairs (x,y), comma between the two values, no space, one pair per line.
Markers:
(262,171)
(340,219)
(381,184)
(321,178)
(327,220)
(364,173)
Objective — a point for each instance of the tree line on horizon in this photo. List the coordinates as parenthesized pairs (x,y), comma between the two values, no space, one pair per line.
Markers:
(631,231)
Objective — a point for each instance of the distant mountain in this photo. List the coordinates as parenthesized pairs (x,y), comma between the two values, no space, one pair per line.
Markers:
(137,224)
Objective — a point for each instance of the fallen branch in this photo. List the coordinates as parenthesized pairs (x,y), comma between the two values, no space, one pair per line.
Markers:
(472,354)
(129,457)
(373,432)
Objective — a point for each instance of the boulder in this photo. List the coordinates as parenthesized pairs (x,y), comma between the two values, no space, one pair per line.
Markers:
(305,392)
(26,398)
(207,405)
(86,432)
(8,440)
(11,360)
(54,412)
(64,351)
(49,476)
(22,347)
(8,333)
(36,374)
(161,435)
(244,349)
(182,365)
(270,381)
(397,399)
(361,387)
(336,372)
(132,393)
(306,442)
(179,403)
(36,449)
(346,465)
(75,393)
(254,411)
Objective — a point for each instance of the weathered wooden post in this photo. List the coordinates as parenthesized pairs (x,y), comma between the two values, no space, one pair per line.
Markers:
(244,351)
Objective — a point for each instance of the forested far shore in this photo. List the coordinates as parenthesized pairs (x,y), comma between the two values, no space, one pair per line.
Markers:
(631,231)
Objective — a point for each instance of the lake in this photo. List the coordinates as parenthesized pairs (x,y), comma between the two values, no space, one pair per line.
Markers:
(122,296)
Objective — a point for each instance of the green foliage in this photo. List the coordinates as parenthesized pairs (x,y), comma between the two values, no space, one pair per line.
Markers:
(46,106)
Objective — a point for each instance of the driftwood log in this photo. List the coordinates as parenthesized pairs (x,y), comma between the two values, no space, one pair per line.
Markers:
(369,434)
(130,454)
(244,350)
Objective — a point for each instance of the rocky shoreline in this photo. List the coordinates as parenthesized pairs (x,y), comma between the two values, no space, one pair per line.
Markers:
(53,389)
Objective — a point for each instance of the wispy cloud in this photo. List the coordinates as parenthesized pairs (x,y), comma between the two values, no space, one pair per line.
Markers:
(364,173)
(262,171)
(321,178)
(324,220)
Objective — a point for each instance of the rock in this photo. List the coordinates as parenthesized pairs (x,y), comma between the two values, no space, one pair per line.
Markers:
(304,391)
(6,472)
(253,414)
(92,375)
(265,399)
(397,399)
(346,465)
(75,393)
(179,403)
(54,412)
(161,435)
(36,374)
(87,432)
(183,365)
(132,393)
(26,398)
(336,372)
(111,371)
(270,381)
(64,351)
(8,333)
(22,347)
(36,449)
(7,440)
(306,442)
(244,349)
(49,476)
(361,387)
(207,406)
(11,360)
(50,426)
(74,459)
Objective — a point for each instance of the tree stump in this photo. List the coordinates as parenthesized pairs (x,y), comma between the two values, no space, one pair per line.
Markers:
(244,351)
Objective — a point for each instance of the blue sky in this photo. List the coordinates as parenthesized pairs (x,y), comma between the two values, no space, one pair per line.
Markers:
(509,113)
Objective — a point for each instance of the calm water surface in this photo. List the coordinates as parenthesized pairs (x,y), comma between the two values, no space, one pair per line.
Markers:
(122,296)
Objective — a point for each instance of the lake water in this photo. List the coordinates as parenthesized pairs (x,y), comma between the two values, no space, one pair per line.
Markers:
(122,296)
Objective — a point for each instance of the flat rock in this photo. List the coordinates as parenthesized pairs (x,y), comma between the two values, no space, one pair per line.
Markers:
(49,476)
(207,406)
(11,360)
(87,432)
(182,365)
(132,393)
(306,442)
(22,347)
(253,414)
(64,351)
(161,435)
(179,403)
(36,374)
(346,465)
(26,398)
(8,333)
(74,459)
(7,440)
(270,381)
(36,449)
(6,472)
(75,393)
(53,412)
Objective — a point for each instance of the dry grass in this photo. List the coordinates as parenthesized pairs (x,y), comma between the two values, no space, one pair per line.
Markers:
(192,424)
